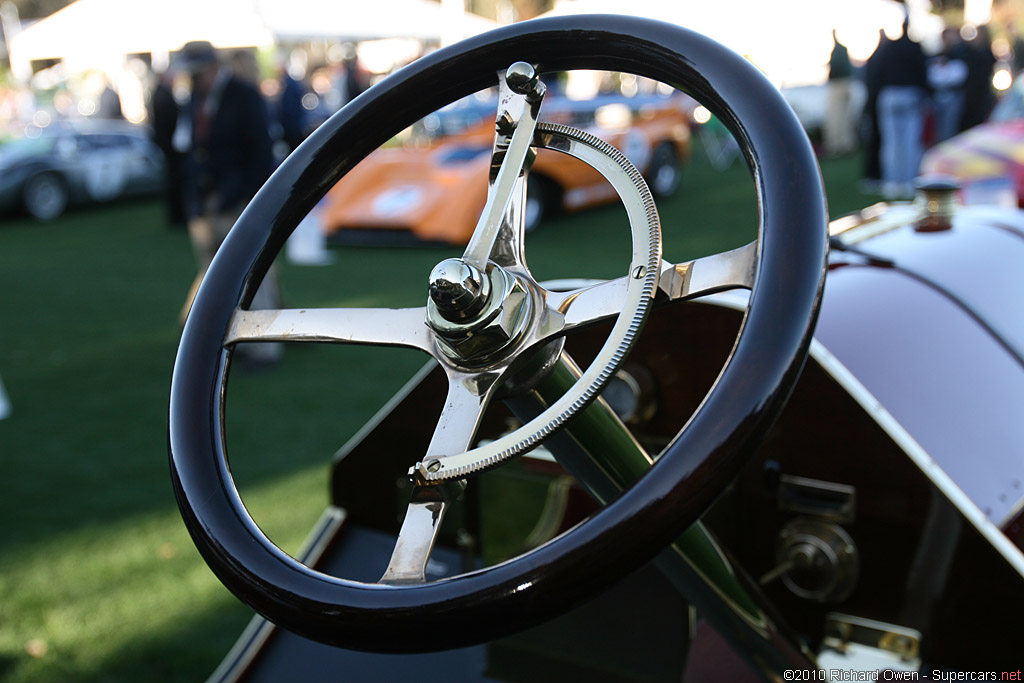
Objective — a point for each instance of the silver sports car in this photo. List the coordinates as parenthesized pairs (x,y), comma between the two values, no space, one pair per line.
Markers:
(77,162)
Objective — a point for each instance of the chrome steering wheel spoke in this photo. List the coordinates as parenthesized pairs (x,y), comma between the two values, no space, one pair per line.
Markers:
(468,397)
(464,406)
(417,537)
(405,327)
(508,251)
(499,229)
(733,269)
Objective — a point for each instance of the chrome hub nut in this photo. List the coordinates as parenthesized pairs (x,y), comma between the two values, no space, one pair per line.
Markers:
(458,289)
(499,317)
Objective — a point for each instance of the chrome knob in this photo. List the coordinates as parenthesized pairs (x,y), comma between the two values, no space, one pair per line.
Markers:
(458,289)
(522,79)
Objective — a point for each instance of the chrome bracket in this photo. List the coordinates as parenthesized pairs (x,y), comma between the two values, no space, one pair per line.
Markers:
(857,644)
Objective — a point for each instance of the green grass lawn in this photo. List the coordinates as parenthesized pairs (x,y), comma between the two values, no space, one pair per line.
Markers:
(98,578)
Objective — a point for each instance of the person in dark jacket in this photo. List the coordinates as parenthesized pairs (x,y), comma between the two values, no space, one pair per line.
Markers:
(947,73)
(231,150)
(229,160)
(902,97)
(290,114)
(872,176)
(109,106)
(163,120)
(978,97)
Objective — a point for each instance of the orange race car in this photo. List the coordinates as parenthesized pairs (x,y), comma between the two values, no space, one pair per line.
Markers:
(433,186)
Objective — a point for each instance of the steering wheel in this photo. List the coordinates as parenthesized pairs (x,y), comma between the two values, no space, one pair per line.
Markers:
(485,312)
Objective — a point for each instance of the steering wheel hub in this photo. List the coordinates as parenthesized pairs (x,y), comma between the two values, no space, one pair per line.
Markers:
(476,316)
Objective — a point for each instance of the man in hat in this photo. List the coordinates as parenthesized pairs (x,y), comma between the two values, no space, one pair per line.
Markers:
(229,157)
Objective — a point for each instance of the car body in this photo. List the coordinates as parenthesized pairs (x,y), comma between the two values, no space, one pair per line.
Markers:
(77,162)
(870,530)
(432,189)
(897,461)
(988,159)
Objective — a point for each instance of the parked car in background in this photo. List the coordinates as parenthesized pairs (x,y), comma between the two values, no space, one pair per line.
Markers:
(433,187)
(77,162)
(988,159)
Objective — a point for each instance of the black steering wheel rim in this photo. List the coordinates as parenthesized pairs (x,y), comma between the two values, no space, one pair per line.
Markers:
(618,539)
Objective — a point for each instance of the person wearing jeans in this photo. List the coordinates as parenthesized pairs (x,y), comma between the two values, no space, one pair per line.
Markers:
(901,123)
(902,98)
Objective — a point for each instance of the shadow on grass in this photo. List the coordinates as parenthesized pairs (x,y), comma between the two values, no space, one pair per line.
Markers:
(89,341)
(184,651)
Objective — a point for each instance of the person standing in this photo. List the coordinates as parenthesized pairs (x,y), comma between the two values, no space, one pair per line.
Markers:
(229,160)
(978,97)
(902,97)
(839,130)
(871,181)
(350,78)
(947,73)
(109,106)
(290,115)
(163,120)
(1016,48)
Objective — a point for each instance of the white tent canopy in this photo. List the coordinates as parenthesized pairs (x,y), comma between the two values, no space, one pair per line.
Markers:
(354,20)
(97,32)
